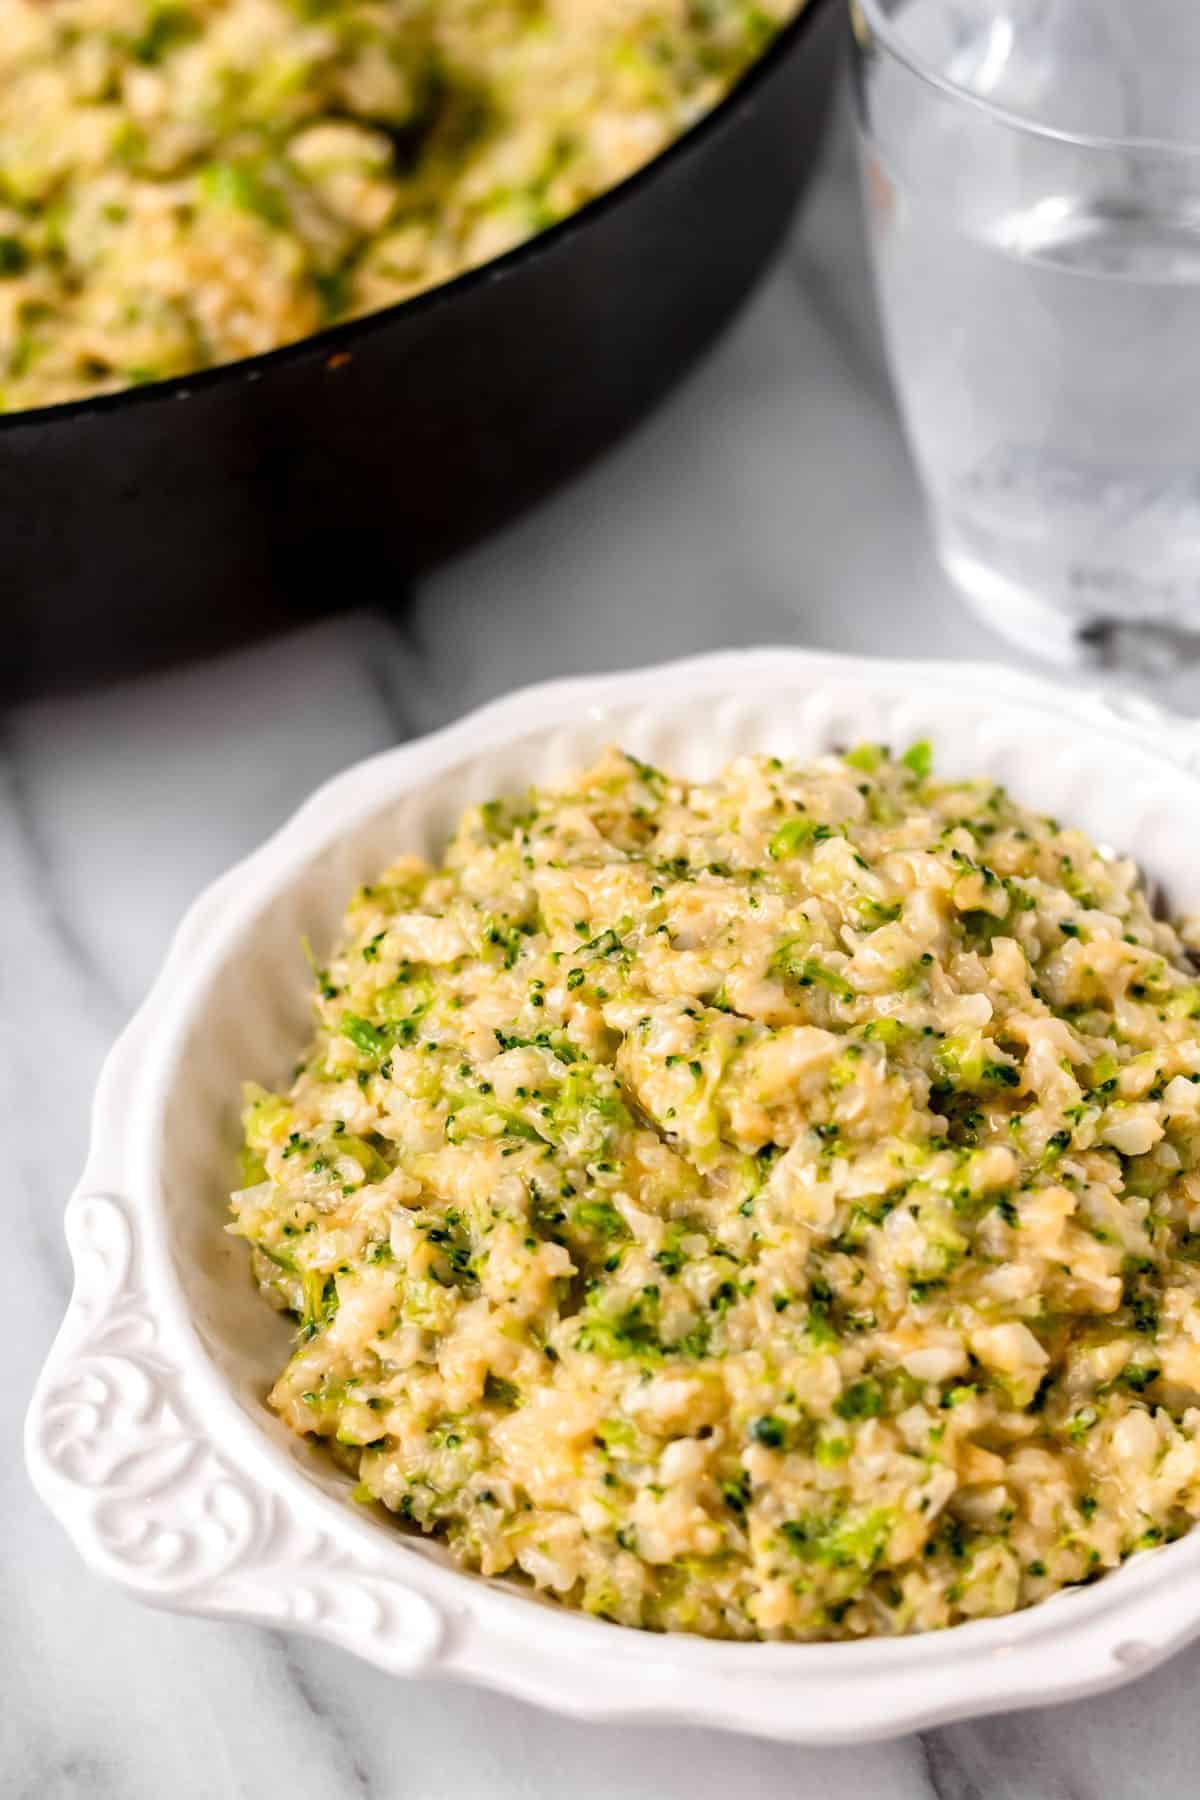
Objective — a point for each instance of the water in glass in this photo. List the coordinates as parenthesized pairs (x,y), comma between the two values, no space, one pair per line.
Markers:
(1041,298)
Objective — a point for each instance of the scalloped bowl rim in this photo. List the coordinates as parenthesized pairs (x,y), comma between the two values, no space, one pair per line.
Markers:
(493,1633)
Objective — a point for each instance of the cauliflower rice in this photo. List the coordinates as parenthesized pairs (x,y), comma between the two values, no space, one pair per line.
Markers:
(766,1207)
(185,182)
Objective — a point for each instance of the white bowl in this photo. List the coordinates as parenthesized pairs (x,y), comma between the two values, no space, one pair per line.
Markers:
(148,1436)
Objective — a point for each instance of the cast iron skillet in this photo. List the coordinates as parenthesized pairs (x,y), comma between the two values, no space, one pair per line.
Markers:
(171,519)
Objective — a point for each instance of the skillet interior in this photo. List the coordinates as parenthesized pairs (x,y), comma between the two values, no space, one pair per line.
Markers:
(173,519)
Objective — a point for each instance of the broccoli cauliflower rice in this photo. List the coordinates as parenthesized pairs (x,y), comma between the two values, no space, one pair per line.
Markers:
(185,182)
(766,1207)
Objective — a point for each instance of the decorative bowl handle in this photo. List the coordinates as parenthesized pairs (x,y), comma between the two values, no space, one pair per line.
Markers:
(114,1450)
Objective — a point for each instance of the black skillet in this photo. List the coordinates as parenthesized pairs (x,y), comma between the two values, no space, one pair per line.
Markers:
(172,519)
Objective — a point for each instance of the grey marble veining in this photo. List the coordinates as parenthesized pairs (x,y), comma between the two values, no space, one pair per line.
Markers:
(771,499)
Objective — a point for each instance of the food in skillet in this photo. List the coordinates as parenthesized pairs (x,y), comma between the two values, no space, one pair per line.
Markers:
(186,182)
(763,1207)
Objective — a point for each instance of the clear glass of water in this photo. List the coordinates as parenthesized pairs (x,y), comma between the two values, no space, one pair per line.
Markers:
(1031,170)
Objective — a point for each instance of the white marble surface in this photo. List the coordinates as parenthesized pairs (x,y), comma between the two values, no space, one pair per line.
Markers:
(770,500)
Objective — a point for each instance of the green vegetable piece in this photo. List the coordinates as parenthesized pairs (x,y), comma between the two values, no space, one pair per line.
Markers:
(374,1166)
(333,291)
(815,974)
(861,1400)
(1080,1423)
(601,1217)
(265,1117)
(918,758)
(968,1067)
(736,1493)
(646,772)
(320,1301)
(253,1168)
(367,1038)
(129,144)
(616,1434)
(168,27)
(241,186)
(795,835)
(840,1540)
(874,913)
(806,971)
(888,1032)
(866,757)
(501,1392)
(14,257)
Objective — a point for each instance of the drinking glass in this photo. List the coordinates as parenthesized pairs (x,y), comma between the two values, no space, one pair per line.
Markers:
(1031,172)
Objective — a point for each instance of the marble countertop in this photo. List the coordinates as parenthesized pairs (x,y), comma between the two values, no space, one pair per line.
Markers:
(770,500)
